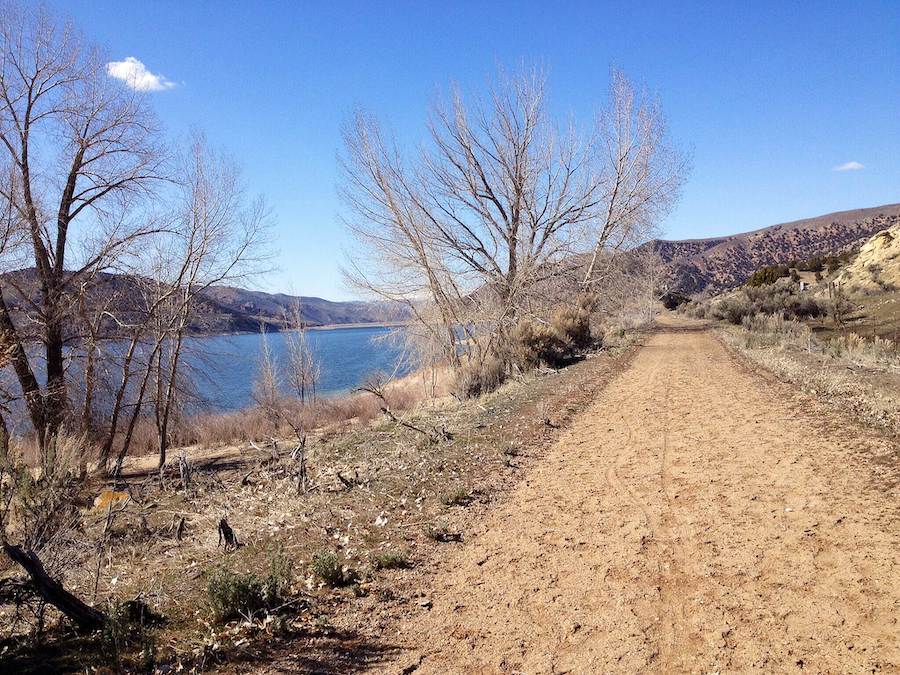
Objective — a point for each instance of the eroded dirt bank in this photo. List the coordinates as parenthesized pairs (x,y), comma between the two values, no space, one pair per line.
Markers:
(696,518)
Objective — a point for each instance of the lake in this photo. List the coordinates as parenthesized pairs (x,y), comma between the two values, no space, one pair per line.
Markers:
(346,357)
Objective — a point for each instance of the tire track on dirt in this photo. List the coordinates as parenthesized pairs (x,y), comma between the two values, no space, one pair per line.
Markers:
(682,524)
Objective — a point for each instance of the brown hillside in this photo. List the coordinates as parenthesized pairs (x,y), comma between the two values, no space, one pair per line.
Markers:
(220,309)
(716,264)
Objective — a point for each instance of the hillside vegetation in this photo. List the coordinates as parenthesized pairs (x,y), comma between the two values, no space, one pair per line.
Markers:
(836,336)
(710,266)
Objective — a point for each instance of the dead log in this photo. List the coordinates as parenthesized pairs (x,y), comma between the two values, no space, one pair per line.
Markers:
(350,483)
(85,617)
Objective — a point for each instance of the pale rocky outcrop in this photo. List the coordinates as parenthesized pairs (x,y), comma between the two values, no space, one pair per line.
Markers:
(877,266)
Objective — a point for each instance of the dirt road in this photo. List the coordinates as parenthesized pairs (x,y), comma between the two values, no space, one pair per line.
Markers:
(696,518)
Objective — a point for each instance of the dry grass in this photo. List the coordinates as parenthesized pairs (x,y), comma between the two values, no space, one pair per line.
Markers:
(856,374)
(374,491)
(253,424)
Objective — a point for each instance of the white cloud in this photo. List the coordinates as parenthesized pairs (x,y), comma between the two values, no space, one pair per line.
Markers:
(849,166)
(135,74)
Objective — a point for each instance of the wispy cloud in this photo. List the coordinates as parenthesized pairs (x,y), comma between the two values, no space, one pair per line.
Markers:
(849,166)
(136,75)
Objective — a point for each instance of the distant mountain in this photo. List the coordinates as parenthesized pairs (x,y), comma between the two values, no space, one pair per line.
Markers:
(272,308)
(712,265)
(221,309)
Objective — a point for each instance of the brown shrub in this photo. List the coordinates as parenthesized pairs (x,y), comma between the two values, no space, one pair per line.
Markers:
(569,331)
(533,343)
(572,326)
(255,424)
(479,376)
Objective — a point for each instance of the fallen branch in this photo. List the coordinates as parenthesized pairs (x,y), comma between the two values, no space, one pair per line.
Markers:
(85,617)
(434,436)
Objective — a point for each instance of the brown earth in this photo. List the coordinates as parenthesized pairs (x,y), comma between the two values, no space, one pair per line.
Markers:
(697,517)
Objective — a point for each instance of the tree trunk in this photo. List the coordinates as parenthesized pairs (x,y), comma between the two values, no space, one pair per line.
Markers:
(87,408)
(31,390)
(175,358)
(85,617)
(106,452)
(135,413)
(55,401)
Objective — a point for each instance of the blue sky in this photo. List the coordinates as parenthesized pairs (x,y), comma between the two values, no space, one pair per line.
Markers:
(769,97)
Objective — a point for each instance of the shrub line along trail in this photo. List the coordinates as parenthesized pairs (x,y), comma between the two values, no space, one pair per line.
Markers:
(696,517)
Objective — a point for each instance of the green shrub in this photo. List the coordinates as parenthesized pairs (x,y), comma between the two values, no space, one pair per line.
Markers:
(733,310)
(768,275)
(277,584)
(780,298)
(327,566)
(391,560)
(232,595)
(128,627)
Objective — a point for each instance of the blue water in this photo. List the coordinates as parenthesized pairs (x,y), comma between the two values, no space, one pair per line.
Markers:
(346,357)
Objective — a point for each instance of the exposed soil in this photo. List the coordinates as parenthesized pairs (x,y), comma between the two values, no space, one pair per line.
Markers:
(662,509)
(697,517)
(373,488)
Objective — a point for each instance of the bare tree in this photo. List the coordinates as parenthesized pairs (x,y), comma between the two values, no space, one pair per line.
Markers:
(643,173)
(219,237)
(396,259)
(303,367)
(267,385)
(473,230)
(81,149)
(216,235)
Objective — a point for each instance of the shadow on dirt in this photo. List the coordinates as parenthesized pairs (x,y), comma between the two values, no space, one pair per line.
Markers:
(334,651)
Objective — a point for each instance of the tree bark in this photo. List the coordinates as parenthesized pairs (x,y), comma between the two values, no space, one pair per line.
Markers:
(34,399)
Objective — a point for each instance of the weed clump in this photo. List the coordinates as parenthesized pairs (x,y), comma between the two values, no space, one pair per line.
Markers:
(232,595)
(327,566)
(442,534)
(391,560)
(460,497)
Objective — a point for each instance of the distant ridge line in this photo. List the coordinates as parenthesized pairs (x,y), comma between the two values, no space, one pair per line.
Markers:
(714,264)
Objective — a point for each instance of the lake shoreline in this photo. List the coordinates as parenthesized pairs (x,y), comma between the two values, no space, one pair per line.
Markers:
(338,326)
(274,330)
(346,355)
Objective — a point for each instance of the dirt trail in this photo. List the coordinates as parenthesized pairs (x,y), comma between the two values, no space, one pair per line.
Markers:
(696,518)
